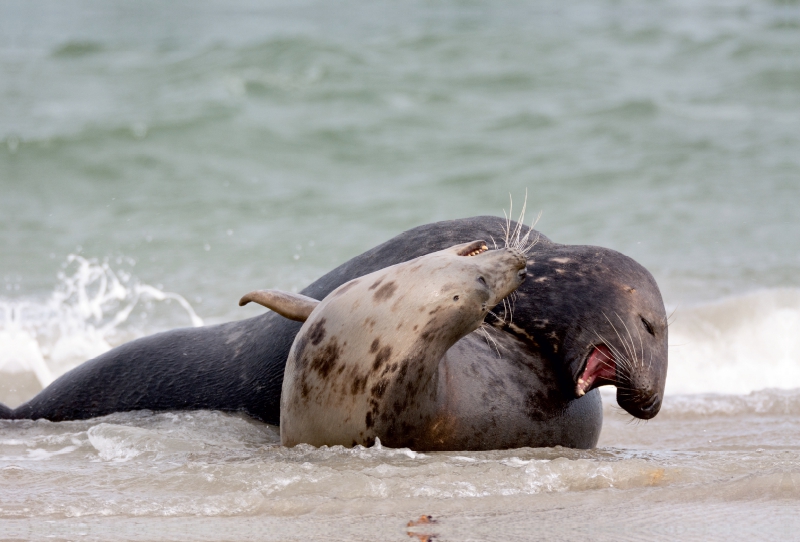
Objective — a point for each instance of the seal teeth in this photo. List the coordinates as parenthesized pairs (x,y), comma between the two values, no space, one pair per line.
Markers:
(477,251)
(474,249)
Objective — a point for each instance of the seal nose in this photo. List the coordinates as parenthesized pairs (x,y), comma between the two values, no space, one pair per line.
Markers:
(520,259)
(644,410)
(651,407)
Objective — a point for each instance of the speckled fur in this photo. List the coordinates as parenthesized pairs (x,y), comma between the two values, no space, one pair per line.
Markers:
(366,362)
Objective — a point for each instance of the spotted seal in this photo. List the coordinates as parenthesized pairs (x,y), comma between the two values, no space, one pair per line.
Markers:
(588,314)
(365,364)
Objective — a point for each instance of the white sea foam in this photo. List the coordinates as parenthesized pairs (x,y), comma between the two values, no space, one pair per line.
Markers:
(732,346)
(737,345)
(86,314)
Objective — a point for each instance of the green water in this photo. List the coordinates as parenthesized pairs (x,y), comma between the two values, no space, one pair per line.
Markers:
(227,146)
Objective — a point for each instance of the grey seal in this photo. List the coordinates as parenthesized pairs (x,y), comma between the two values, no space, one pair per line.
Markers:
(365,364)
(588,313)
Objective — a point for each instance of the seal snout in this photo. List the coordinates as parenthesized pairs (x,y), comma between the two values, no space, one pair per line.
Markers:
(651,407)
(643,403)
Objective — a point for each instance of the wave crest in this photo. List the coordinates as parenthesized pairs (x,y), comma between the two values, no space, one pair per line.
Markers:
(88,312)
(738,345)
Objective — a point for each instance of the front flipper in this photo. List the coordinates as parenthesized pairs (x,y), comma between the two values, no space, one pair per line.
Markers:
(292,306)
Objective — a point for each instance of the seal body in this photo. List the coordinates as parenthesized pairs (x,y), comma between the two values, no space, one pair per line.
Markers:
(366,362)
(582,304)
(493,395)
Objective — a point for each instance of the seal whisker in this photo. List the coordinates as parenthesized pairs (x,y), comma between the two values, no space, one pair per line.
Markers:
(526,244)
(625,359)
(630,337)
(641,344)
(668,323)
(497,316)
(512,303)
(624,344)
(621,358)
(514,237)
(608,363)
(521,221)
(630,346)
(518,229)
(490,338)
(508,217)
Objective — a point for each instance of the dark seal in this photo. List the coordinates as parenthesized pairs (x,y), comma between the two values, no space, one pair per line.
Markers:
(588,316)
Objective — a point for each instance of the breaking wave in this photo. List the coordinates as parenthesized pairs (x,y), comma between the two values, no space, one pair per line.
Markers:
(734,346)
(90,310)
(737,345)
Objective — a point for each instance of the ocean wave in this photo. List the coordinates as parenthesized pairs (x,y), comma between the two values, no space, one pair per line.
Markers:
(737,345)
(88,312)
(731,347)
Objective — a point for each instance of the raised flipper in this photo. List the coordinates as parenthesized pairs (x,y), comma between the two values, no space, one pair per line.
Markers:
(292,306)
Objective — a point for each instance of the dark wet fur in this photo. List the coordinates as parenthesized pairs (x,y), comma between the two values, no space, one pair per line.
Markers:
(239,366)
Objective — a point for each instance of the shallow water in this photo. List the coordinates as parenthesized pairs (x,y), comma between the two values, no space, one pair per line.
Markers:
(158,161)
(691,472)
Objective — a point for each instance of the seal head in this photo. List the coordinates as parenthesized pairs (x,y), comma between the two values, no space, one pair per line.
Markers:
(617,333)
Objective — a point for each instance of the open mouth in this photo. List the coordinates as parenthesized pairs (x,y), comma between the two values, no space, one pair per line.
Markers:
(599,369)
(473,249)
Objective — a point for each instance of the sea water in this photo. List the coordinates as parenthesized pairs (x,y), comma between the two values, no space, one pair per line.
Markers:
(159,161)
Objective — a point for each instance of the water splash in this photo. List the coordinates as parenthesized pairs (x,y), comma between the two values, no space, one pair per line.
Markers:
(737,345)
(83,317)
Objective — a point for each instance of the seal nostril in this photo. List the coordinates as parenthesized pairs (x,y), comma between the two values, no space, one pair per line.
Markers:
(455,298)
(482,280)
(652,403)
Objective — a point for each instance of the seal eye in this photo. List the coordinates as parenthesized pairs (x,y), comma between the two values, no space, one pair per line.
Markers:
(648,327)
(455,298)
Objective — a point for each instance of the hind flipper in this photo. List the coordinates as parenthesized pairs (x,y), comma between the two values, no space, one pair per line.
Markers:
(5,412)
(292,306)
